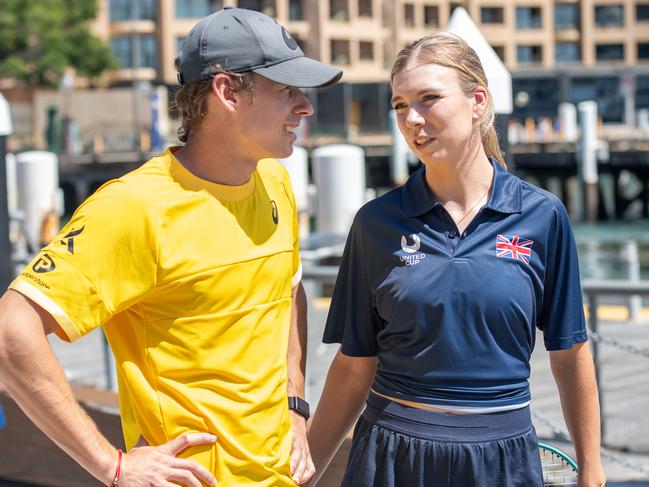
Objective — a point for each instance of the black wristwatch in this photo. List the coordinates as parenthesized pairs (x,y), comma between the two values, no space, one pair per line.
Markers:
(299,405)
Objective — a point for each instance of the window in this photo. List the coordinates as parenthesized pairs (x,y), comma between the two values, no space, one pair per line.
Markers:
(567,52)
(409,14)
(609,15)
(528,54)
(642,12)
(543,96)
(364,8)
(186,9)
(264,6)
(605,91)
(338,10)
(500,51)
(528,18)
(132,10)
(566,16)
(643,50)
(122,47)
(491,15)
(609,52)
(367,50)
(295,11)
(431,16)
(340,52)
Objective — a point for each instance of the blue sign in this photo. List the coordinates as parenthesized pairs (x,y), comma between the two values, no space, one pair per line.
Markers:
(2,418)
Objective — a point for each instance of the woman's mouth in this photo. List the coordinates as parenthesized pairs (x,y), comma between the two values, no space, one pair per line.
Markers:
(422,140)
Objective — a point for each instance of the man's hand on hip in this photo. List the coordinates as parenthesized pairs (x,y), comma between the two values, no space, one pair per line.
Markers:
(302,468)
(147,466)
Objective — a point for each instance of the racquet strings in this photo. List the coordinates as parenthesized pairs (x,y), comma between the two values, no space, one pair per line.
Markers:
(556,470)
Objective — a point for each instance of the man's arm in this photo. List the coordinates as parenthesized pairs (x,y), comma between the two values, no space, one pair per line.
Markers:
(574,374)
(302,468)
(33,377)
(345,391)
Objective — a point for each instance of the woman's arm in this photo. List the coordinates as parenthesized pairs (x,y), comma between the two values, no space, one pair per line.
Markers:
(574,374)
(345,391)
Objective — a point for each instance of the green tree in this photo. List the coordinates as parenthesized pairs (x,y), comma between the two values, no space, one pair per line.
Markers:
(40,38)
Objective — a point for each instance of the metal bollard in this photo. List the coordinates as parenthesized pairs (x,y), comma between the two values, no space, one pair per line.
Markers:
(632,259)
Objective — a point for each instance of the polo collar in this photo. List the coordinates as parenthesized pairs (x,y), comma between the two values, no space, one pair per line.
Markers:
(506,196)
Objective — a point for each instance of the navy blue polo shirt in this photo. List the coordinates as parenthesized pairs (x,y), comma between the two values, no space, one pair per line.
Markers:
(452,317)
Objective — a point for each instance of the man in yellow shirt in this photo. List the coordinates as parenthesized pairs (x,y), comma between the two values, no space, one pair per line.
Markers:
(191,265)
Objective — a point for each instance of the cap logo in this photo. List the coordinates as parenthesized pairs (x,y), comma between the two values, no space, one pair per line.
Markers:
(290,42)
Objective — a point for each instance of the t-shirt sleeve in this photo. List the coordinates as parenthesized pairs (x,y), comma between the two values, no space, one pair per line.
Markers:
(352,320)
(562,313)
(103,261)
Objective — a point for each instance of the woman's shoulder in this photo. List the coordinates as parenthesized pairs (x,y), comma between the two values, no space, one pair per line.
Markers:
(383,205)
(539,198)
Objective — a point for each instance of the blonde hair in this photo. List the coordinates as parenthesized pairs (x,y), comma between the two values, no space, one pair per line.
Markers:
(190,101)
(451,51)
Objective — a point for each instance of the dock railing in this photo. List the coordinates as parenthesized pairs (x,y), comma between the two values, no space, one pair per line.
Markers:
(593,289)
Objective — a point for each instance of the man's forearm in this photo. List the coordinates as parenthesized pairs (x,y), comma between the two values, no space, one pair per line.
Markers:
(33,377)
(297,343)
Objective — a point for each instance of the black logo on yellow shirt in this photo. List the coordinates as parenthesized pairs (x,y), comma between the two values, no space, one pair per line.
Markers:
(44,264)
(274,211)
(70,239)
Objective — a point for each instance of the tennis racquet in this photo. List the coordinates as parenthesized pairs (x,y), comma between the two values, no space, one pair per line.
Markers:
(558,468)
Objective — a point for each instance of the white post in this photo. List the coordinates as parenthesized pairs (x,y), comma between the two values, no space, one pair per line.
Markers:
(568,122)
(632,258)
(588,158)
(399,158)
(339,175)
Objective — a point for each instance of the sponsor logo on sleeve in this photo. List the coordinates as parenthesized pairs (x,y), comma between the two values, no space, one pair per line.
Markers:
(44,264)
(32,277)
(68,239)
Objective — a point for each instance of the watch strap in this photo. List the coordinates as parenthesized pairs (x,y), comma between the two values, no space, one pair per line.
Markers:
(299,405)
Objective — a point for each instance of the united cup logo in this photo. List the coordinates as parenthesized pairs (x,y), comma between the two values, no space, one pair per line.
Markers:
(413,256)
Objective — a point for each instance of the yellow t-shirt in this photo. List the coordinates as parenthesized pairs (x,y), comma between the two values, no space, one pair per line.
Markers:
(192,283)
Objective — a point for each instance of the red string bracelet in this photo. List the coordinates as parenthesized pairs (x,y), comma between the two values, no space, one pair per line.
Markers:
(118,470)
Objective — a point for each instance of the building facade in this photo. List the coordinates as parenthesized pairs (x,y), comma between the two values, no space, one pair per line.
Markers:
(557,50)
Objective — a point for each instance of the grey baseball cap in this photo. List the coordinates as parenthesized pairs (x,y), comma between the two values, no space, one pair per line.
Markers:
(239,40)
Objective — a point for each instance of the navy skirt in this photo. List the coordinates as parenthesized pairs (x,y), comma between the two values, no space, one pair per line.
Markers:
(399,446)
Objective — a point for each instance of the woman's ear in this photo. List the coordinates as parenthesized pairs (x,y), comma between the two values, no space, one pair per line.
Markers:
(480,100)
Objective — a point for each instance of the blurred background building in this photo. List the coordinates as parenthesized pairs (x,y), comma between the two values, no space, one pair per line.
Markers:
(557,51)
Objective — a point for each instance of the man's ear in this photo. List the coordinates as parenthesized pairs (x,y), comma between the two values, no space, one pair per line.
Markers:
(223,89)
(480,99)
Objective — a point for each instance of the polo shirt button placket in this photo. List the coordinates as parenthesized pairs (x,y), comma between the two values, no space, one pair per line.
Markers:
(451,236)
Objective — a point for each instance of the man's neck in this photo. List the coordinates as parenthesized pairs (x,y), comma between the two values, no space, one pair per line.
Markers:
(216,162)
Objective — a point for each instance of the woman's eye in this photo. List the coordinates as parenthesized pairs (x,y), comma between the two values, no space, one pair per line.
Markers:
(430,97)
(397,106)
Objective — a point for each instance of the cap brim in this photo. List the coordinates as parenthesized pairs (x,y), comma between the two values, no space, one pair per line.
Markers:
(301,72)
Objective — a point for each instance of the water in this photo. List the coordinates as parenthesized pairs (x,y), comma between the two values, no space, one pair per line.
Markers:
(603,249)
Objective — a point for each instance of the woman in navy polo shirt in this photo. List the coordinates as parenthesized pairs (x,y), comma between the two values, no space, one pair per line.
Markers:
(442,284)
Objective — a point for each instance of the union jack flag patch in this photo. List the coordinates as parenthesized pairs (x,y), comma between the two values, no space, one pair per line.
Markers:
(514,246)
